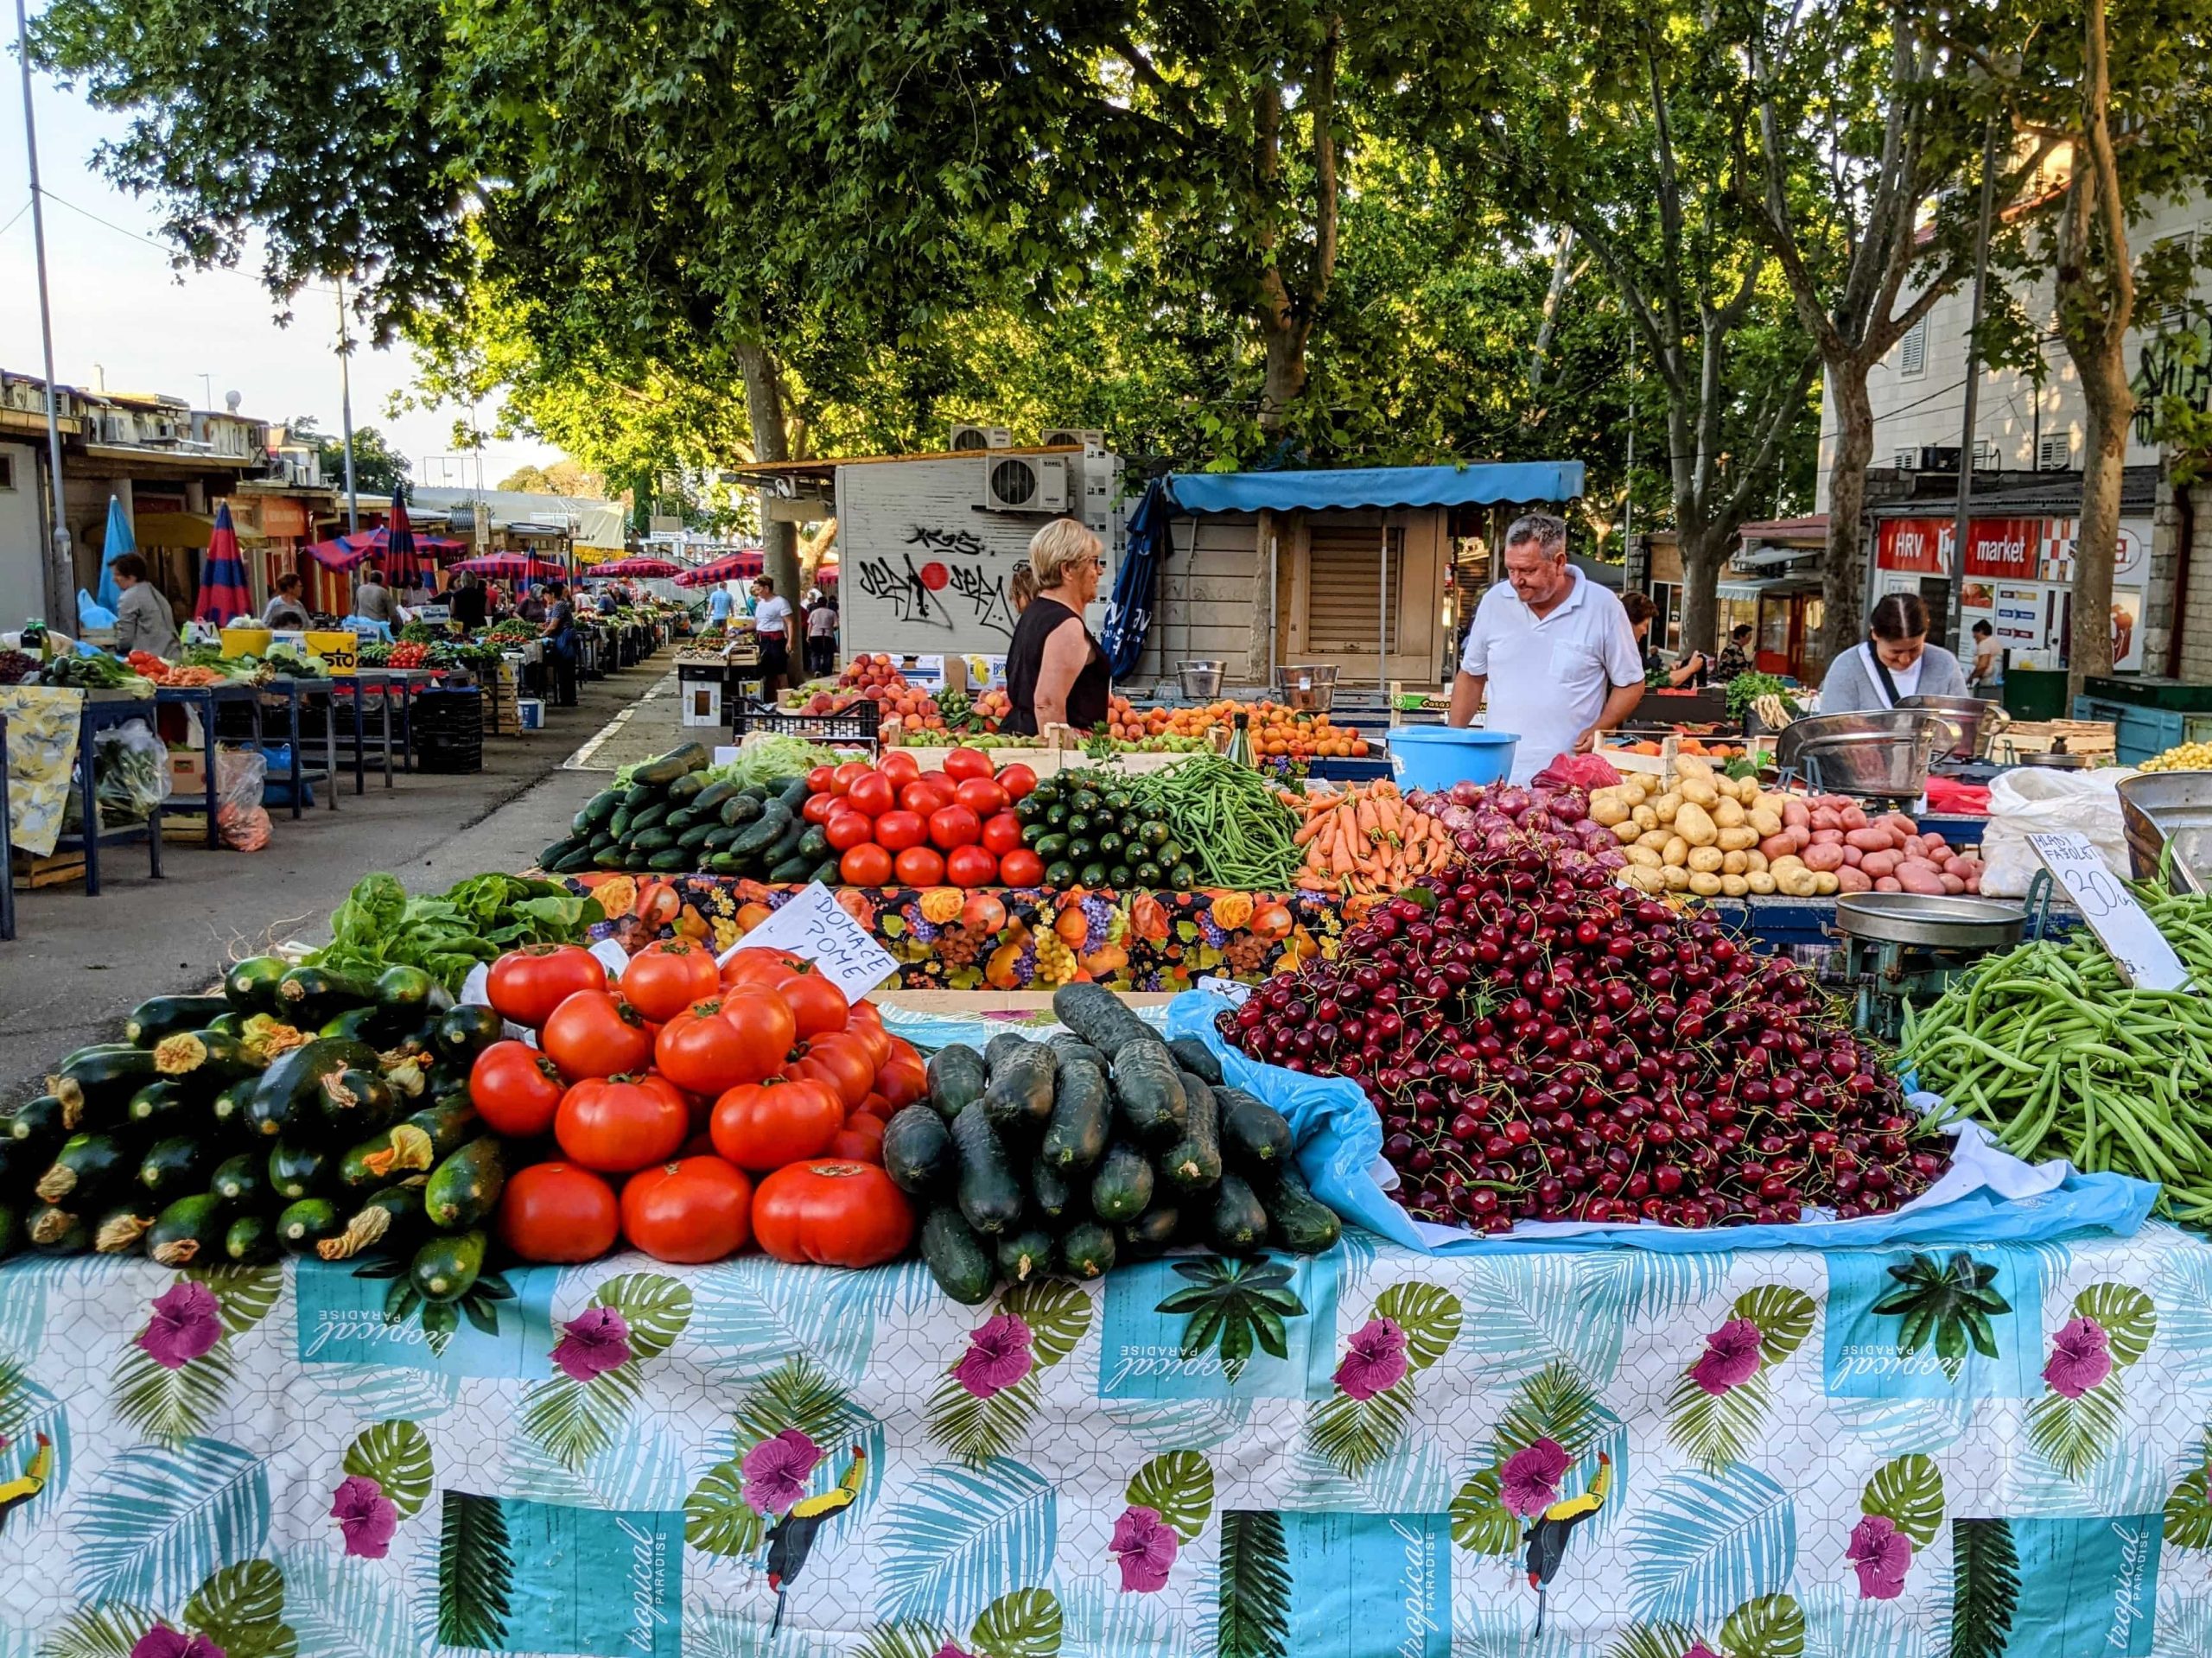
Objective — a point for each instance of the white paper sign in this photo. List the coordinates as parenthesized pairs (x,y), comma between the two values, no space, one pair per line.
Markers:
(814,926)
(2145,959)
(1237,995)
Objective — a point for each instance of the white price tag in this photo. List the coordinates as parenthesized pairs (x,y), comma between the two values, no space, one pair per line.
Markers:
(814,926)
(1237,995)
(2145,959)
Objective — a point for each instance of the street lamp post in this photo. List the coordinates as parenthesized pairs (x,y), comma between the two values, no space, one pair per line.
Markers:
(60,571)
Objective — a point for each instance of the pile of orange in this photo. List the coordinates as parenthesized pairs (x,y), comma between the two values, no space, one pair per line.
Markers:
(1275,730)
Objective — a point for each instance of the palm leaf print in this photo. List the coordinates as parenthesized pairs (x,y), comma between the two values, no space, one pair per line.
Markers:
(109,1630)
(167,1516)
(1556,1404)
(1784,1315)
(1234,1308)
(171,1406)
(2073,1434)
(959,1538)
(247,1294)
(1985,1587)
(1095,1622)
(1023,1624)
(1430,1316)
(1654,1641)
(1178,1487)
(397,1455)
(1704,1545)
(717,1519)
(1351,1435)
(1907,1491)
(1058,1314)
(2129,1318)
(576,1420)
(475,1571)
(2189,1510)
(976,1430)
(1480,1520)
(345,1607)
(902,1639)
(1522,1312)
(752,1315)
(1177,1424)
(241,1610)
(1772,1626)
(1253,1620)
(1717,1429)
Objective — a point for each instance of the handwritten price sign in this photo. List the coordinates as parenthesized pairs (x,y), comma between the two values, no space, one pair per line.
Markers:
(2145,959)
(814,926)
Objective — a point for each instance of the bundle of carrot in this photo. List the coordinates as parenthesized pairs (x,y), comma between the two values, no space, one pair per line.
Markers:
(1366,842)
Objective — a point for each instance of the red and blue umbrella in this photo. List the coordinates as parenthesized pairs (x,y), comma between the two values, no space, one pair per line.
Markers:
(728,567)
(223,596)
(350,552)
(638,566)
(513,566)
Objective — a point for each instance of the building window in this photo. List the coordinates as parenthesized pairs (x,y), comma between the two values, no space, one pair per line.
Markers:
(1906,460)
(1986,457)
(7,474)
(2055,452)
(1912,350)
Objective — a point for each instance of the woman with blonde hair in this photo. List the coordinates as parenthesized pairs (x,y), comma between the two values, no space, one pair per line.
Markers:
(1056,672)
(1022,588)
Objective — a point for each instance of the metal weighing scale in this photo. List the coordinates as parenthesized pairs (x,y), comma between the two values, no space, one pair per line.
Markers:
(1901,946)
(2169,811)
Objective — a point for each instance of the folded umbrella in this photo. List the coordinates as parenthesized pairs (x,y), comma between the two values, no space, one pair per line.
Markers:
(223,594)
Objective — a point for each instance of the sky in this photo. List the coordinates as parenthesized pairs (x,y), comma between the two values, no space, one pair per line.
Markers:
(120,309)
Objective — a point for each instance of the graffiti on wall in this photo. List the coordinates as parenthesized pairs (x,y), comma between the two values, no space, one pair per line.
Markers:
(2174,363)
(938,580)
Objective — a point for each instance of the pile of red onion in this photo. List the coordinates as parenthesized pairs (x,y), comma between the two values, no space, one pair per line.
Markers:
(1543,1045)
(1552,815)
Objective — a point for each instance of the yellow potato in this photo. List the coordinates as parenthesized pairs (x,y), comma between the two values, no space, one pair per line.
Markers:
(1676,877)
(1643,857)
(1824,883)
(1692,765)
(1734,863)
(1675,852)
(1735,885)
(1705,885)
(1656,839)
(1698,792)
(1667,806)
(1766,821)
(1740,839)
(1760,882)
(1644,880)
(1626,832)
(1691,823)
(1728,812)
(1754,862)
(1704,860)
(1797,883)
(1608,807)
(1644,817)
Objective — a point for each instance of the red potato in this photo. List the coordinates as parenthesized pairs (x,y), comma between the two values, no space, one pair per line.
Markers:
(1848,879)
(1868,840)
(1973,881)
(1934,844)
(1827,837)
(1899,822)
(1823,855)
(1853,856)
(1852,817)
(1799,834)
(1952,883)
(1879,864)
(1920,878)
(1824,817)
(1889,884)
(1795,813)
(1777,846)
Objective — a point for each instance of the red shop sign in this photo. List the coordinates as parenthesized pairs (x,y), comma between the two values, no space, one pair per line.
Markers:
(2001,548)
(1920,546)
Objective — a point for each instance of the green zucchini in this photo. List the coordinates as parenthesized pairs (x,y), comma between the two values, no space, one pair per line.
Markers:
(1075,1137)
(251,1240)
(465,1188)
(290,1093)
(1018,1098)
(85,1167)
(308,996)
(39,1121)
(1121,1187)
(447,1267)
(175,1165)
(355,1102)
(918,1151)
(242,1181)
(306,1223)
(250,985)
(391,1220)
(989,1195)
(1239,1221)
(228,1107)
(415,1145)
(1194,1161)
(1025,1254)
(956,1258)
(464,1032)
(121,1229)
(22,1161)
(54,1231)
(1150,1093)
(369,1025)
(212,1058)
(1086,1250)
(1299,1221)
(95,1087)
(189,1230)
(956,1079)
(1255,1137)
(164,1106)
(150,1021)
(11,1228)
(411,990)
(295,1171)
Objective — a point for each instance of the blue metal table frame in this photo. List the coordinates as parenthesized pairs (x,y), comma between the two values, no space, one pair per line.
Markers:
(207,698)
(101,713)
(294,691)
(7,844)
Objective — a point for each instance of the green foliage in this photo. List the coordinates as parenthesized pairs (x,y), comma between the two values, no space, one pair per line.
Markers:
(475,1571)
(1771,1626)
(1234,1308)
(1253,1618)
(1985,1587)
(1178,1487)
(1909,1492)
(397,1455)
(1023,1624)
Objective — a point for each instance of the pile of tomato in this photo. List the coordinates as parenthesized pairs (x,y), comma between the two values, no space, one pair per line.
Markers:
(691,1109)
(894,822)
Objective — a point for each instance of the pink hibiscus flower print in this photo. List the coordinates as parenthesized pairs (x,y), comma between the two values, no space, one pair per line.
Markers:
(1699,1649)
(776,1471)
(186,1321)
(948,1650)
(591,1343)
(1145,1545)
(998,1356)
(1374,1361)
(1731,1356)
(1880,1553)
(2080,1358)
(1528,1483)
(365,1516)
(163,1641)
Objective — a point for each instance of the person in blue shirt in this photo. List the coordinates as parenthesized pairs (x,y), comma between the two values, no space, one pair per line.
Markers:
(719,604)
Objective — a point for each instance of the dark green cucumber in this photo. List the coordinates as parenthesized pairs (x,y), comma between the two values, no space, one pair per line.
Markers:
(391,1220)
(1018,1098)
(1149,1092)
(1083,1113)
(290,1093)
(683,789)
(121,1229)
(1197,1058)
(250,985)
(1194,1161)
(51,1230)
(679,761)
(645,841)
(1025,1254)
(464,1032)
(465,1188)
(1086,1250)
(594,812)
(189,1230)
(1239,1222)
(295,1171)
(95,1087)
(242,1181)
(956,1079)
(1299,1221)
(175,1165)
(989,1195)
(150,1021)
(1255,1136)
(415,1145)
(1101,1019)
(1068,1045)
(791,872)
(1153,1229)
(554,853)
(1050,1191)
(85,1166)
(695,839)
(251,1240)
(762,831)
(447,1267)
(1121,1187)
(1002,1047)
(918,1151)
(829,872)
(569,863)
(712,798)
(306,1223)
(740,810)
(164,1106)
(956,1258)
(647,819)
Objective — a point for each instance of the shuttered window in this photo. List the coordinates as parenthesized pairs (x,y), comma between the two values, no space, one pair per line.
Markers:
(1912,350)
(1344,589)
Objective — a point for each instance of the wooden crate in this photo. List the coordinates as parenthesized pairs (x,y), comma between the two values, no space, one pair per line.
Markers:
(57,870)
(2022,738)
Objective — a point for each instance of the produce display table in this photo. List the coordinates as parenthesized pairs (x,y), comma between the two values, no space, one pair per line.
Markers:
(207,699)
(1763,1452)
(294,693)
(102,711)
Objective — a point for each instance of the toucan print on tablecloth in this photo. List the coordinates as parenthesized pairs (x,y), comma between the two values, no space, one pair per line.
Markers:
(1547,1534)
(37,1470)
(791,1538)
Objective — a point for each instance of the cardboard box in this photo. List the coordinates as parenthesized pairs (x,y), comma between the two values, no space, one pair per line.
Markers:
(188,772)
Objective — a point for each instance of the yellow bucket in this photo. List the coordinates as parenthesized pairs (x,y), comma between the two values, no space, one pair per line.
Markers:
(336,652)
(246,640)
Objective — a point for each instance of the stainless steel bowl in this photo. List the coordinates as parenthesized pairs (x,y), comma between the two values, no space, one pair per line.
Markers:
(1201,680)
(1309,688)
(1945,922)
(1970,713)
(2158,807)
(1878,752)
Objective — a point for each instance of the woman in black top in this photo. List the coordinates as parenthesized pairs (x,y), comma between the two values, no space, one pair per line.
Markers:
(1056,673)
(466,601)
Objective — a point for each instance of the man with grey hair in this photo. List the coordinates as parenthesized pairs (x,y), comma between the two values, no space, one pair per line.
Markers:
(1553,650)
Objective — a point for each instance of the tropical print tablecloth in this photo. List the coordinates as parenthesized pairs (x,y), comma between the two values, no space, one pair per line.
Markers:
(1975,1453)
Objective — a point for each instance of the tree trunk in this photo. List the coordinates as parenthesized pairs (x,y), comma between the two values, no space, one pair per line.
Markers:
(1704,550)
(1843,584)
(1285,337)
(2110,405)
(764,412)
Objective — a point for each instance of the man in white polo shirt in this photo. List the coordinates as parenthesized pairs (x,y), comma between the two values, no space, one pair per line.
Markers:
(1554,651)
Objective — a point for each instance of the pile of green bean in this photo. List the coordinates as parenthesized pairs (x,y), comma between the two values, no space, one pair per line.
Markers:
(1229,816)
(2047,1047)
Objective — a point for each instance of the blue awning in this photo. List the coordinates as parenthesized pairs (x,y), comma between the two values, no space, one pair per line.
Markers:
(1377,486)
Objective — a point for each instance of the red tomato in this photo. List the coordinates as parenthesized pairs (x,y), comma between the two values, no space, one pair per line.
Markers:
(955,826)
(759,1015)
(740,1037)
(515,1089)
(596,1033)
(1021,868)
(964,763)
(865,866)
(872,794)
(527,985)
(616,1126)
(845,774)
(897,830)
(926,795)
(766,1125)
(903,1079)
(842,1060)
(971,865)
(1002,833)
(848,829)
(822,780)
(900,767)
(919,866)
(870,1034)
(837,1212)
(667,976)
(982,796)
(855,1143)
(874,1106)
(1018,781)
(557,1212)
(758,964)
(693,1209)
(820,809)
(817,1003)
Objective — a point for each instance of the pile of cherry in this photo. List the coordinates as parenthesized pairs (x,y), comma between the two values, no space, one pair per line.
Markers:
(1542,1044)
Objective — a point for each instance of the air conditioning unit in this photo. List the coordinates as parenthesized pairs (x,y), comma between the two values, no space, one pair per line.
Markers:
(1084,437)
(1026,483)
(2055,452)
(1939,457)
(966,438)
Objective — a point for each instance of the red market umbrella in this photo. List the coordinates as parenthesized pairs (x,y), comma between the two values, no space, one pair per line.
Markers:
(513,566)
(729,567)
(640,566)
(223,596)
(350,552)
(399,531)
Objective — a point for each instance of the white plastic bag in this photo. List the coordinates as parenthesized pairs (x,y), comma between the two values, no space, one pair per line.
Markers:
(2038,800)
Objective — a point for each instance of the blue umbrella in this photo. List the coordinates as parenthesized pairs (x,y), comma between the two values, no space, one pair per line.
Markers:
(1128,615)
(114,545)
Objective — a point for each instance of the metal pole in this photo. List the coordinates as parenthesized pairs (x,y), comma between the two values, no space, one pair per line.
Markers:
(1954,623)
(60,571)
(345,407)
(1383,618)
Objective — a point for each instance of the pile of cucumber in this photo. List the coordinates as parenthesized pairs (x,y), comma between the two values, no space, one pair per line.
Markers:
(298,1112)
(671,819)
(1104,1144)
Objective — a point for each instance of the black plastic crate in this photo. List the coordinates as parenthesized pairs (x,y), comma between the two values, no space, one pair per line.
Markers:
(857,724)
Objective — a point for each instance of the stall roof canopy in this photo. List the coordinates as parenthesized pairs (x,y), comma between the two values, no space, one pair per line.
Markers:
(1377,486)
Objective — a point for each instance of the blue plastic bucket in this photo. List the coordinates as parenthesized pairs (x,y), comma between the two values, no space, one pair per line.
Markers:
(1436,757)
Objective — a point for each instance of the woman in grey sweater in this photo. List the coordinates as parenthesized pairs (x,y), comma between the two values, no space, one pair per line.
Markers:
(1896,662)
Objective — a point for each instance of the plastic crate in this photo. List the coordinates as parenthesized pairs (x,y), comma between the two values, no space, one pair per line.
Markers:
(857,724)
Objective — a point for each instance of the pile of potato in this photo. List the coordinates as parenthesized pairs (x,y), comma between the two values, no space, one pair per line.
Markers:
(1721,836)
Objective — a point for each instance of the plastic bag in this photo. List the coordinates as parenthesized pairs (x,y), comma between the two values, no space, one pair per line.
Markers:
(1583,772)
(2037,800)
(131,773)
(91,612)
(240,819)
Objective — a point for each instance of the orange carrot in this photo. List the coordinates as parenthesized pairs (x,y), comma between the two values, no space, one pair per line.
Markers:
(1308,830)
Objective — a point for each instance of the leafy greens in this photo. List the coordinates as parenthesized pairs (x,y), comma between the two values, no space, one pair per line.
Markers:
(477,919)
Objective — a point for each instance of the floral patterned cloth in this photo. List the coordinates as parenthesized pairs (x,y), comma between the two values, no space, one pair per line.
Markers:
(2001,1452)
(42,729)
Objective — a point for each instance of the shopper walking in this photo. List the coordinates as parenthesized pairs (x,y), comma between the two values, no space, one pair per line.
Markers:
(821,637)
(561,644)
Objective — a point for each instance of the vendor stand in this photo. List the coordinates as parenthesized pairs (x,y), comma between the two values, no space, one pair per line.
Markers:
(204,700)
(295,692)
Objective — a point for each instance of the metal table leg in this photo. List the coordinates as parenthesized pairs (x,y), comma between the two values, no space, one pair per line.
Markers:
(384,698)
(207,733)
(360,741)
(292,740)
(86,732)
(330,749)
(7,844)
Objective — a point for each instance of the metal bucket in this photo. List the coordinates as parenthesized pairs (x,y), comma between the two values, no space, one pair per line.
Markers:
(1201,680)
(1972,716)
(1882,752)
(1307,688)
(2162,807)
